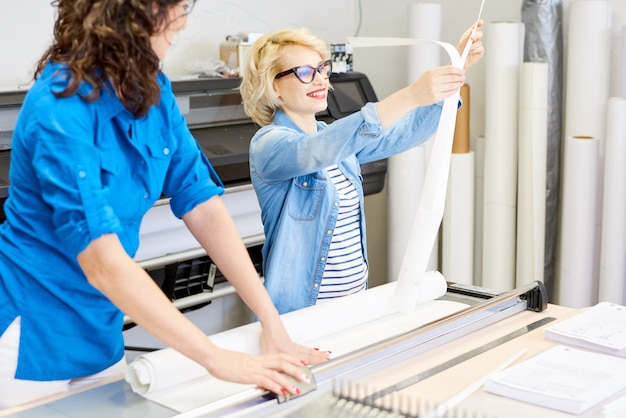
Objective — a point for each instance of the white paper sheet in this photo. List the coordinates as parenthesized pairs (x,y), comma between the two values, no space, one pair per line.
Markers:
(600,328)
(504,42)
(562,378)
(531,182)
(613,239)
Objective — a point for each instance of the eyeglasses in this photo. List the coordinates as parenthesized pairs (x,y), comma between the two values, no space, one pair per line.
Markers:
(188,6)
(306,73)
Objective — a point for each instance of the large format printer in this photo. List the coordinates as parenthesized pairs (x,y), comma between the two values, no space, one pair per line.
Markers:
(215,115)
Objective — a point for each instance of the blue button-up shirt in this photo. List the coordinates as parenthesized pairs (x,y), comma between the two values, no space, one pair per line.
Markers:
(80,170)
(299,204)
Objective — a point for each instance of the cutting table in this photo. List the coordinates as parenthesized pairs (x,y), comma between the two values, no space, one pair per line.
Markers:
(396,376)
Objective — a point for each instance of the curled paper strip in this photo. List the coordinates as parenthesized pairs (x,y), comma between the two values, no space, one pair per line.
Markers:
(432,203)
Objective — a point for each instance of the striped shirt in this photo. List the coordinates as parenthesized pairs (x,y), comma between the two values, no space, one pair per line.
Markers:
(345,272)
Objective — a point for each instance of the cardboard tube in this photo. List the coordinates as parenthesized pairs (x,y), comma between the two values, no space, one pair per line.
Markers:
(461,141)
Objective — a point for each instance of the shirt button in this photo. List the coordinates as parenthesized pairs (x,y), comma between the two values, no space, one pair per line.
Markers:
(322,259)
(316,285)
(305,184)
(82,174)
(146,195)
(336,204)
(166,151)
(329,232)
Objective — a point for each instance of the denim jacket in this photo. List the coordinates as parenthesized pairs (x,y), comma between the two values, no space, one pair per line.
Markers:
(299,204)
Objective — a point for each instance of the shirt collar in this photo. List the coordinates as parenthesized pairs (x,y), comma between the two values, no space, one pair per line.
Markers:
(281,118)
(108,103)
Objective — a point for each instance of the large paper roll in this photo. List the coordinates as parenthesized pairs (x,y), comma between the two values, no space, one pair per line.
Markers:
(457,238)
(479,186)
(457,227)
(405,171)
(461,140)
(623,64)
(504,42)
(613,242)
(531,192)
(340,325)
(576,286)
(587,87)
(432,203)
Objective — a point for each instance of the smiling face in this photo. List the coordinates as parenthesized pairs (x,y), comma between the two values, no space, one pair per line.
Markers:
(175,21)
(301,101)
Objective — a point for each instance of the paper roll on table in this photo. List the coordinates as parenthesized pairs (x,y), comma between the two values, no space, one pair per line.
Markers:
(341,325)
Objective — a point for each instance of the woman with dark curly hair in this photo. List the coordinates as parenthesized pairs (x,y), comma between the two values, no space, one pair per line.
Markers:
(99,139)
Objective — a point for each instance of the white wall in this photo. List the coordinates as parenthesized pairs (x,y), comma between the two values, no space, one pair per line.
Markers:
(26,30)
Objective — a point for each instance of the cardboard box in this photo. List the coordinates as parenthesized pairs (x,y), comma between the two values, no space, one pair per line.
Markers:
(235,49)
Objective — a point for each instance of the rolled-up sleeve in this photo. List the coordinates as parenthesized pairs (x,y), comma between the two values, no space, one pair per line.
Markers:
(191,179)
(195,186)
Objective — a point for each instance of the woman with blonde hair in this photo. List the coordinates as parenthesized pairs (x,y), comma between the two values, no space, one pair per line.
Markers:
(306,173)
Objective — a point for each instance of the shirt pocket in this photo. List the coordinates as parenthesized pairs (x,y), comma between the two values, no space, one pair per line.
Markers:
(306,197)
(160,151)
(161,147)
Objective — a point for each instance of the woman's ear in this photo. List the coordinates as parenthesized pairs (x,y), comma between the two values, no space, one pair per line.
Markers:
(276,91)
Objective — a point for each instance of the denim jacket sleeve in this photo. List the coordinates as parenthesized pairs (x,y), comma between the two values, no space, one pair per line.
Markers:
(411,130)
(281,150)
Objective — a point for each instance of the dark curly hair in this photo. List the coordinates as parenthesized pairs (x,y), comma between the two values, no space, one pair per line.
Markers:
(102,40)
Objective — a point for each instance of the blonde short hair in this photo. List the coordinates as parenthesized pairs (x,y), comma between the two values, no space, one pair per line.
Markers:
(257,85)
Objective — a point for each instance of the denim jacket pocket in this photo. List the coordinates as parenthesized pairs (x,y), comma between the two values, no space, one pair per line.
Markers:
(305,197)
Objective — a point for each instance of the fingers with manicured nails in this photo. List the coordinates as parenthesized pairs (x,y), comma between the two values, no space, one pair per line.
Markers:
(265,371)
(279,342)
